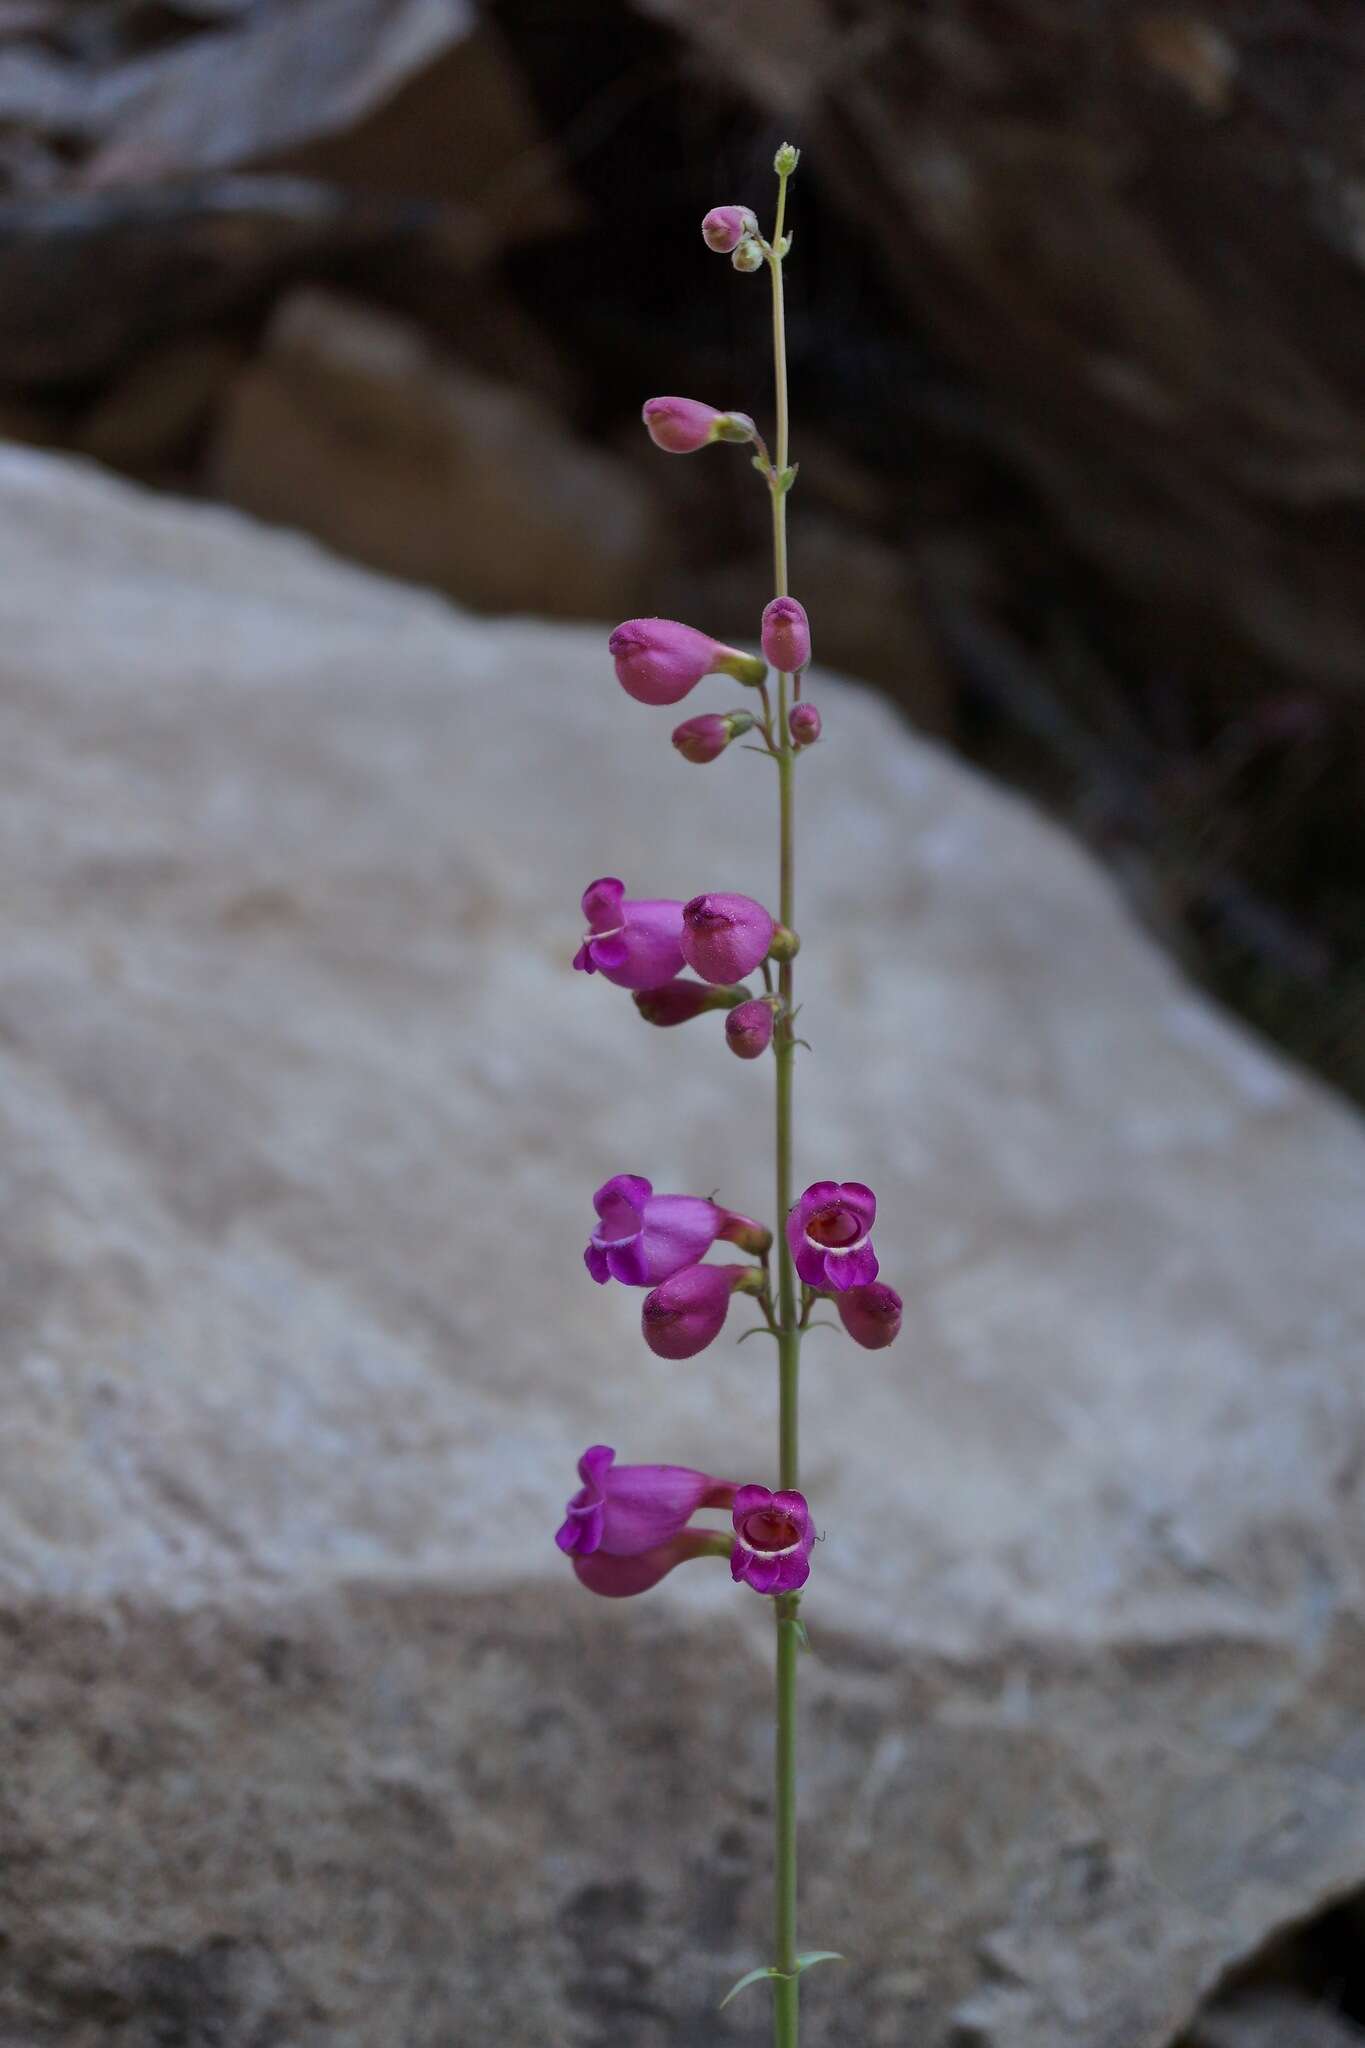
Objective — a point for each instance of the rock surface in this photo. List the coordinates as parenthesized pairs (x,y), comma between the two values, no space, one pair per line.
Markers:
(308,1739)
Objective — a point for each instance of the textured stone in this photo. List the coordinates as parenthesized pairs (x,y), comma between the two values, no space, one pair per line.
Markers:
(308,1737)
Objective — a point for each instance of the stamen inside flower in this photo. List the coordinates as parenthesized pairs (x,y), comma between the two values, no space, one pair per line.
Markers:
(770,1532)
(834,1226)
(608,932)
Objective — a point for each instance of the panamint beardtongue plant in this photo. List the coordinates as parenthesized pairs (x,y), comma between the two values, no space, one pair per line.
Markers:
(628,1526)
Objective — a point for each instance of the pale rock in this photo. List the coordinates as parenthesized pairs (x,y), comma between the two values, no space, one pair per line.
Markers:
(309,1737)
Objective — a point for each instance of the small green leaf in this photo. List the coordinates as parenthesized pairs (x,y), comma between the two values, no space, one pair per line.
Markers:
(802,1635)
(759,464)
(761,1330)
(810,1956)
(752,1977)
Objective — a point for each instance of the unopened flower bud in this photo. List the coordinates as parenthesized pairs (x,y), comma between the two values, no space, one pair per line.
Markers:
(686,1312)
(748,256)
(678,1002)
(682,425)
(786,635)
(659,660)
(749,1028)
(783,945)
(870,1314)
(725,227)
(803,723)
(705,738)
(725,936)
(748,1235)
(786,160)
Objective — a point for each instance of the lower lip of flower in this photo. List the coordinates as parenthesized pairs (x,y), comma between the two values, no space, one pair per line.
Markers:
(769,1534)
(833,1230)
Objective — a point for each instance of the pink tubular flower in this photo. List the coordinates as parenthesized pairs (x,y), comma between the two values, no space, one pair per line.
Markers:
(659,660)
(641,1238)
(786,635)
(680,426)
(615,1578)
(725,227)
(633,941)
(706,738)
(749,1028)
(725,936)
(678,1002)
(803,723)
(626,1509)
(871,1314)
(687,1311)
(774,1534)
(829,1231)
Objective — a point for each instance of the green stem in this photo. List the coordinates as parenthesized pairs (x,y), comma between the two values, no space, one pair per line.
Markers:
(786,1986)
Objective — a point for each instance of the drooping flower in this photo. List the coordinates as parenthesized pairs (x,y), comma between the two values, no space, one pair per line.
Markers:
(687,1311)
(786,634)
(749,1028)
(623,1510)
(706,738)
(635,941)
(725,227)
(680,426)
(829,1231)
(774,1534)
(641,1237)
(870,1314)
(803,723)
(615,1578)
(659,660)
(725,936)
(678,1002)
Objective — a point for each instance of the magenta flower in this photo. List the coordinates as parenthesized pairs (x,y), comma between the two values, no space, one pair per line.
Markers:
(680,426)
(774,1534)
(687,1311)
(725,227)
(749,1028)
(786,634)
(626,1509)
(615,1578)
(803,723)
(706,738)
(724,936)
(634,941)
(659,660)
(829,1231)
(678,1002)
(871,1314)
(642,1237)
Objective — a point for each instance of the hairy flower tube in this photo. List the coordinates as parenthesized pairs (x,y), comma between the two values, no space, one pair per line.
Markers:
(634,941)
(803,723)
(641,1237)
(680,426)
(829,1233)
(705,738)
(749,1027)
(870,1314)
(725,227)
(725,936)
(786,635)
(616,1578)
(625,1509)
(687,1311)
(773,1538)
(659,660)
(678,1002)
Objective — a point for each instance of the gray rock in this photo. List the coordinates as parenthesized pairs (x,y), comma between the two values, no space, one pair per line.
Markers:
(309,1739)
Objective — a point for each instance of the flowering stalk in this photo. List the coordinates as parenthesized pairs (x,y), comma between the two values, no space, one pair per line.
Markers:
(630,1525)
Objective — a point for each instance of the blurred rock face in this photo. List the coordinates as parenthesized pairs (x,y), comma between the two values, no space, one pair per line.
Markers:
(309,1736)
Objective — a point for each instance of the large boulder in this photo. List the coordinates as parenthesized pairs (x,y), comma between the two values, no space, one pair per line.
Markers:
(309,1736)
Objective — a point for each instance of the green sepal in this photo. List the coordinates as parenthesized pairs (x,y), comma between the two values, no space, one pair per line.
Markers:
(759,464)
(787,477)
(750,1977)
